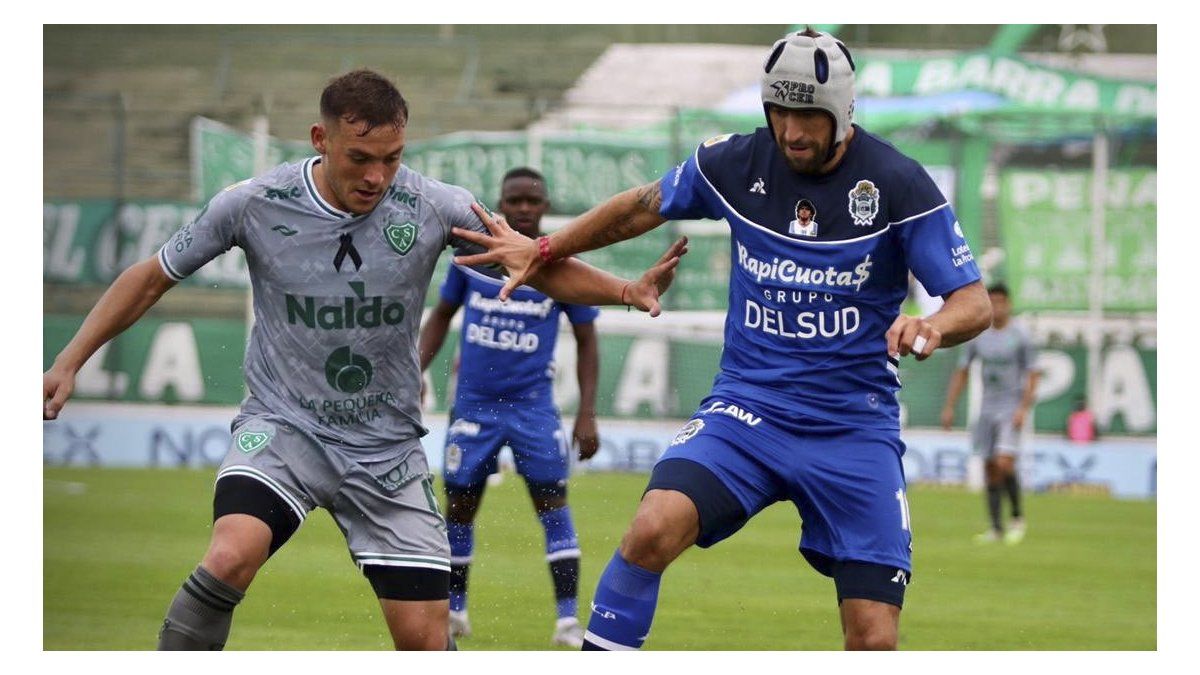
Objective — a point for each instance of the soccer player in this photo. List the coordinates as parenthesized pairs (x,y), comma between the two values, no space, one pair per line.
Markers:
(1006,356)
(503,397)
(341,248)
(804,406)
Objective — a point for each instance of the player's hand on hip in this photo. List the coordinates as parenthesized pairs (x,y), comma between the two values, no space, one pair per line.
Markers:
(57,387)
(586,436)
(645,292)
(517,253)
(912,335)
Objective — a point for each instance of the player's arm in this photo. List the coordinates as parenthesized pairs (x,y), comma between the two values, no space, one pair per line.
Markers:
(1032,377)
(965,314)
(126,300)
(433,333)
(624,216)
(587,370)
(958,381)
(571,280)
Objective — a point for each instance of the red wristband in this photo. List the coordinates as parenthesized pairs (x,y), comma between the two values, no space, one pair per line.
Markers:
(543,244)
(623,289)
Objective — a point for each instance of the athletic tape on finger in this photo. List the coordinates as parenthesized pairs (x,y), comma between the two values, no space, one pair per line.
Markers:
(919,345)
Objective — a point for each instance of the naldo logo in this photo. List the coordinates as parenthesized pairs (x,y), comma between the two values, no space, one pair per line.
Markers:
(348,372)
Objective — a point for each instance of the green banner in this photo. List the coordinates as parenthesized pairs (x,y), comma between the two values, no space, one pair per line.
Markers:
(91,242)
(223,155)
(642,375)
(1045,226)
(193,361)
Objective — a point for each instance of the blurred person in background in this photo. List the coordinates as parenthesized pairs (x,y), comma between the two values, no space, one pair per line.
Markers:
(504,396)
(341,249)
(1007,359)
(804,407)
(1081,423)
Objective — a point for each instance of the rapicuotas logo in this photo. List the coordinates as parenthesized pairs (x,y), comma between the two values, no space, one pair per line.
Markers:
(791,272)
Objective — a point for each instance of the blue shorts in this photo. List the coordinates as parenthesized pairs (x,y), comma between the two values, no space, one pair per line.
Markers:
(846,482)
(479,429)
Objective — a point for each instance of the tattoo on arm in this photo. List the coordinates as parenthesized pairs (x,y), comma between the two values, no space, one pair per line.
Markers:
(648,198)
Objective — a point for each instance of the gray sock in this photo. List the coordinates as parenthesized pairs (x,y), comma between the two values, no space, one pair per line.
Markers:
(200,615)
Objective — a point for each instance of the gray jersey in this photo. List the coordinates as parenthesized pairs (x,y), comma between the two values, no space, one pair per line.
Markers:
(337,299)
(1006,356)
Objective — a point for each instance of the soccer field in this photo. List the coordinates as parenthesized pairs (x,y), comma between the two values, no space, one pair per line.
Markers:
(118,543)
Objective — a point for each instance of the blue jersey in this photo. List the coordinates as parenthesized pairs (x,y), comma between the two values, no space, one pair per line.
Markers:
(819,268)
(507,348)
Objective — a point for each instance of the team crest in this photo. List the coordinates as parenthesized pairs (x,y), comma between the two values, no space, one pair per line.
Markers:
(401,236)
(864,203)
(805,223)
(253,441)
(689,430)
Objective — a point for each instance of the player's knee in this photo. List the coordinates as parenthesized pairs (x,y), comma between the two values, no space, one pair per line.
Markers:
(652,542)
(871,638)
(232,564)
(427,637)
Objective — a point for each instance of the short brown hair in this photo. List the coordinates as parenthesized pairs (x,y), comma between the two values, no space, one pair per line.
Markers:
(364,96)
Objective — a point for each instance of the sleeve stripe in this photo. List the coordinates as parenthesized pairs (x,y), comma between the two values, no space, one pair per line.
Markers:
(920,215)
(170,271)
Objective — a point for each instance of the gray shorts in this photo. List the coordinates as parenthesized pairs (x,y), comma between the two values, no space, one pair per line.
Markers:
(994,434)
(387,510)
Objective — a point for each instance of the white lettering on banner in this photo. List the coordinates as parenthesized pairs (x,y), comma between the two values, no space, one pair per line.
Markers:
(789,271)
(1071,192)
(507,340)
(645,377)
(498,306)
(1125,390)
(733,411)
(827,324)
(94,380)
(173,361)
(1057,373)
(62,260)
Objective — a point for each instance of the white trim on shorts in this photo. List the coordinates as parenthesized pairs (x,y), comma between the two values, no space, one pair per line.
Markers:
(402,560)
(251,472)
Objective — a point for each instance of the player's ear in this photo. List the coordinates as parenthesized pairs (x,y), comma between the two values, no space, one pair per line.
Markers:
(318,137)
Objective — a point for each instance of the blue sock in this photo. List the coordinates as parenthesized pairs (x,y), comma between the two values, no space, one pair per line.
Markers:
(562,553)
(462,543)
(623,607)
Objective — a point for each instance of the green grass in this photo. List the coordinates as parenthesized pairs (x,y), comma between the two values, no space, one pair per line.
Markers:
(117,544)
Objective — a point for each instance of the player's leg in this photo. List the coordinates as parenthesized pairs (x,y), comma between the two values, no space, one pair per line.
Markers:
(690,499)
(462,505)
(256,509)
(562,556)
(1007,448)
(993,480)
(848,485)
(472,446)
(397,536)
(540,454)
(869,624)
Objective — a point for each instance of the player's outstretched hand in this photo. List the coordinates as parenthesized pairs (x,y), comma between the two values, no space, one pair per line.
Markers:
(516,252)
(912,335)
(586,436)
(56,389)
(645,292)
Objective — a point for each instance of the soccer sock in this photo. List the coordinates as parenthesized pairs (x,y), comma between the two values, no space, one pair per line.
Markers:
(462,544)
(623,607)
(993,502)
(1013,486)
(200,614)
(562,553)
